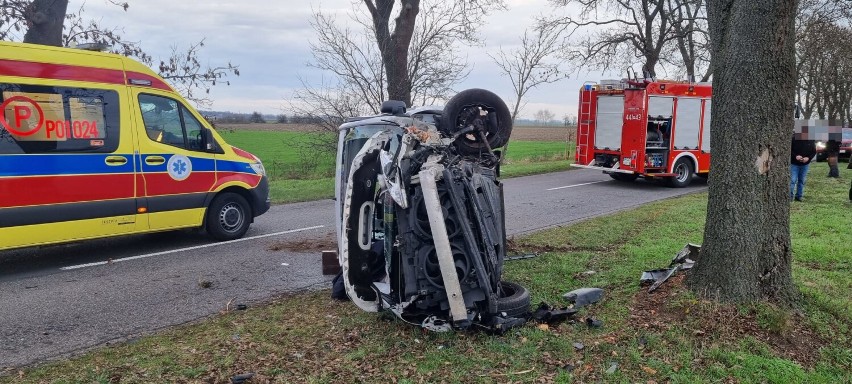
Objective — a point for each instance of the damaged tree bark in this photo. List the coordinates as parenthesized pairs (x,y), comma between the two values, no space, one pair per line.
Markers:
(746,254)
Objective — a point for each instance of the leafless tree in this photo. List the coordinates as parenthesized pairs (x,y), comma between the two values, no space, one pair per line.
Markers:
(690,42)
(48,22)
(533,63)
(746,255)
(544,116)
(824,59)
(619,32)
(458,22)
(357,58)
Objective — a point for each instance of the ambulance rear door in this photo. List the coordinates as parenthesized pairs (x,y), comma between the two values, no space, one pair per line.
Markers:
(66,166)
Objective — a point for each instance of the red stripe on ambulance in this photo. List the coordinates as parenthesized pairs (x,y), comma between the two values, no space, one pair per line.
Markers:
(60,72)
(42,190)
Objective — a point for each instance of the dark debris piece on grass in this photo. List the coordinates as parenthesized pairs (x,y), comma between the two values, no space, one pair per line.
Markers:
(242,378)
(552,315)
(594,323)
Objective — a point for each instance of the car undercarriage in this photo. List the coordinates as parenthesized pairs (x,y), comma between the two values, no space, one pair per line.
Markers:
(421,218)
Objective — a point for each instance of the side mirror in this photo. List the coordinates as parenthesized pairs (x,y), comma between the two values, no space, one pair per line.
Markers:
(208,142)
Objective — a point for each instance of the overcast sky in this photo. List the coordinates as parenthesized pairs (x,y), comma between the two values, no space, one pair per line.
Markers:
(269,40)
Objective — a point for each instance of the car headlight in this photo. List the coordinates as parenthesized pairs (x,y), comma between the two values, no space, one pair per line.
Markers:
(258,168)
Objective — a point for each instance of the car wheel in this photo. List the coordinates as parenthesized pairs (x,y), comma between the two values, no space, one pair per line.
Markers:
(228,217)
(628,177)
(683,173)
(514,299)
(480,109)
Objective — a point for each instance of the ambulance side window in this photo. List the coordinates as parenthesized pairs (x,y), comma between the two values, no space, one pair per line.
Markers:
(44,119)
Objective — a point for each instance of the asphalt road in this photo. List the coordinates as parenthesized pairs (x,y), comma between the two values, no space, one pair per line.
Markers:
(61,300)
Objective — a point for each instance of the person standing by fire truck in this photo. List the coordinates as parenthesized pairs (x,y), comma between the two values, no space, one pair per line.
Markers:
(802,152)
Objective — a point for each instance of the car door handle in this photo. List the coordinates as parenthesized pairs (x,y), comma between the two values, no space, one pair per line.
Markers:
(155,160)
(116,160)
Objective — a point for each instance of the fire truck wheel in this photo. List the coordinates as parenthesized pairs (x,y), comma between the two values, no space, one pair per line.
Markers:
(683,173)
(228,217)
(479,109)
(628,177)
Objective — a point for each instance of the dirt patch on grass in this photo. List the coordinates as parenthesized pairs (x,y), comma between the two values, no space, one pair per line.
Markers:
(325,243)
(786,333)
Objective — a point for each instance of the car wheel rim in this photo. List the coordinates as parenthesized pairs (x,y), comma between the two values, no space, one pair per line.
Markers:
(231,217)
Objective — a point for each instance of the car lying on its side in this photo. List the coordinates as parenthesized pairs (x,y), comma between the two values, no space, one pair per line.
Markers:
(421,222)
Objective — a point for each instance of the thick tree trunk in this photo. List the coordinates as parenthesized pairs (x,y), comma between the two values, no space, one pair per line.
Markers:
(45,19)
(746,254)
(394,46)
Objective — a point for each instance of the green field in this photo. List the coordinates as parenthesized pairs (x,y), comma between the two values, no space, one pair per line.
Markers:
(301,165)
(669,336)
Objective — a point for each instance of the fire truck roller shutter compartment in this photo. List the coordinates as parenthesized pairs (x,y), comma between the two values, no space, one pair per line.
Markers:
(687,121)
(705,141)
(609,122)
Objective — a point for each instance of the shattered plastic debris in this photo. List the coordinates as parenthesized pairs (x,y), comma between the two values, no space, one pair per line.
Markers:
(612,368)
(682,261)
(584,296)
(551,315)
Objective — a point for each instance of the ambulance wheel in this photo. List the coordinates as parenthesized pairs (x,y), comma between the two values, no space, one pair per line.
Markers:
(477,108)
(228,217)
(628,177)
(683,173)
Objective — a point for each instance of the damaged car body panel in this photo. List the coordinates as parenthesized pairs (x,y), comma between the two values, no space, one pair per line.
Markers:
(421,228)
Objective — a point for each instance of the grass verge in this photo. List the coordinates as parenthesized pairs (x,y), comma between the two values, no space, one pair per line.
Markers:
(665,337)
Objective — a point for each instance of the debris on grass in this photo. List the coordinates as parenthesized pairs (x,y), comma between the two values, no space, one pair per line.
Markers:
(584,296)
(612,368)
(683,260)
(552,315)
(241,378)
(594,323)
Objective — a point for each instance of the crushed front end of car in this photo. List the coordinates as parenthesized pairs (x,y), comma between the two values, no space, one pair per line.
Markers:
(421,218)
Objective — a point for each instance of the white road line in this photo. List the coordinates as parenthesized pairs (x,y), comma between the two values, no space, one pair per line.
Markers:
(577,185)
(188,248)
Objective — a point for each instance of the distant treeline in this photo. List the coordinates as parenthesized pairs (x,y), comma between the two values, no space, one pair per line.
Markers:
(257,117)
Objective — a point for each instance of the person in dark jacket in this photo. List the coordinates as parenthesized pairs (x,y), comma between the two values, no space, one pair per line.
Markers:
(832,152)
(802,152)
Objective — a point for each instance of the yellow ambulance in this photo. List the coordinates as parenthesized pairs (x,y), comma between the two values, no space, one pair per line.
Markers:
(95,145)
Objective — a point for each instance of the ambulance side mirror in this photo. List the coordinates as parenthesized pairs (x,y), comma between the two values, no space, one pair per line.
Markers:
(209,142)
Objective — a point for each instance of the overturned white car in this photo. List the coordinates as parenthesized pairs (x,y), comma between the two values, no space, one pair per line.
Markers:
(421,228)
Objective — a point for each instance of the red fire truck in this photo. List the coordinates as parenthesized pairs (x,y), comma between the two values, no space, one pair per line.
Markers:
(654,129)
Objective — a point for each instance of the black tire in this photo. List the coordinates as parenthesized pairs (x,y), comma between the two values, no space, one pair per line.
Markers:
(514,299)
(683,173)
(627,177)
(464,110)
(228,217)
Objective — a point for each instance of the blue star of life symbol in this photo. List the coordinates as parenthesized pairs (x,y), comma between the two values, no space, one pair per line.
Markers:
(179,167)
